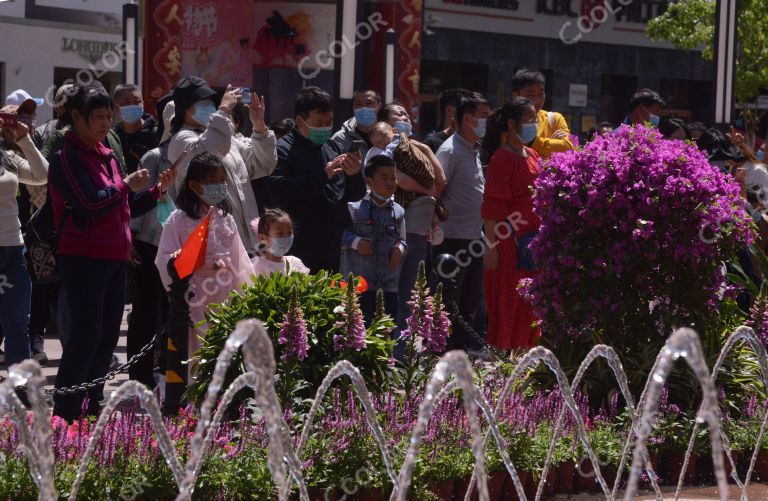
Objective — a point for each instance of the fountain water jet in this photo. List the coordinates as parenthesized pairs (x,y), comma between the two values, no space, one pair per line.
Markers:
(684,343)
(250,337)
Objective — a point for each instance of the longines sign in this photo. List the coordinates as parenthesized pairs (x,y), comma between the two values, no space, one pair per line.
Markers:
(90,50)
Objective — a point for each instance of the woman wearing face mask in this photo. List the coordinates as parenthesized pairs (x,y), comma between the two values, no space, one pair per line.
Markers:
(92,205)
(395,115)
(512,169)
(227,266)
(201,123)
(275,230)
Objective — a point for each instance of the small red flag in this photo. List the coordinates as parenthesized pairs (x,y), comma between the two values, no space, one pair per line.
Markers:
(192,255)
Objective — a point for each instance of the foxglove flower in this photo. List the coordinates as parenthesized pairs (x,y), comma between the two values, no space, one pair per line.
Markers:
(293,333)
(352,327)
(758,317)
(437,335)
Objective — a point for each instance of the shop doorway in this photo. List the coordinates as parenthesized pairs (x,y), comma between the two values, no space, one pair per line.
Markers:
(687,99)
(437,76)
(617,90)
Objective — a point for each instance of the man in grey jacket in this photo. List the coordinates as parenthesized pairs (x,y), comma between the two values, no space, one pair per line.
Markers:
(366,105)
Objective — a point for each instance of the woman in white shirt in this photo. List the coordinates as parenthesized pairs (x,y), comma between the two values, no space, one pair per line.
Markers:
(28,167)
(202,124)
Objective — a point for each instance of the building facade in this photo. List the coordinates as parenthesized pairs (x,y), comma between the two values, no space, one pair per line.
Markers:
(47,42)
(595,55)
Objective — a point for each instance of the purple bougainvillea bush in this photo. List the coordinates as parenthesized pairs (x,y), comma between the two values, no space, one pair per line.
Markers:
(635,230)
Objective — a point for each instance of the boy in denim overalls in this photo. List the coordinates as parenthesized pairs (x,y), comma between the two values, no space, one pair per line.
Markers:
(374,245)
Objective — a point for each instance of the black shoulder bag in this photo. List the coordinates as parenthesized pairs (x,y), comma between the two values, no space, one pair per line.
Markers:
(41,238)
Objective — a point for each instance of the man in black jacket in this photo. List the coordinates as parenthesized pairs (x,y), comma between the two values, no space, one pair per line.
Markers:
(313,181)
(137,130)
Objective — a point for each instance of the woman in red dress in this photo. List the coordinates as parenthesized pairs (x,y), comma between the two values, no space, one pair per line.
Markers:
(510,223)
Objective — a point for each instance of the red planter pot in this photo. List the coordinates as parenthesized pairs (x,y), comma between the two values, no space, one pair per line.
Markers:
(509,486)
(564,473)
(705,472)
(318,494)
(761,466)
(367,494)
(585,480)
(460,489)
(496,485)
(530,486)
(672,464)
(443,490)
(498,488)
(728,469)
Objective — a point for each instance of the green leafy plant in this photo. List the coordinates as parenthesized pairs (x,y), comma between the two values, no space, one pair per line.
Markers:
(690,25)
(321,298)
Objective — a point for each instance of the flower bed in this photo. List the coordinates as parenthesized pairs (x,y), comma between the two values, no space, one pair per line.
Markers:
(342,457)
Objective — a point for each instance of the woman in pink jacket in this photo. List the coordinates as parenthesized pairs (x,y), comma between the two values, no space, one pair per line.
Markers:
(93,202)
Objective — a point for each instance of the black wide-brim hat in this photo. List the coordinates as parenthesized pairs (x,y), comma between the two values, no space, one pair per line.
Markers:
(190,90)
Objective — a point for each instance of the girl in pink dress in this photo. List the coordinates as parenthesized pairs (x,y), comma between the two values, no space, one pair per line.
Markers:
(227,266)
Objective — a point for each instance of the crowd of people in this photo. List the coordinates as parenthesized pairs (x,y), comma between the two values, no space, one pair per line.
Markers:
(290,197)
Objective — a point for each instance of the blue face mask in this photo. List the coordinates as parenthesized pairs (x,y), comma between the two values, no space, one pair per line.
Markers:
(214,194)
(203,112)
(131,114)
(365,116)
(654,120)
(760,155)
(280,246)
(404,127)
(528,133)
(480,129)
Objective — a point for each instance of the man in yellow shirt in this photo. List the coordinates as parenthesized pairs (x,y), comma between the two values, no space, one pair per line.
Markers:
(553,133)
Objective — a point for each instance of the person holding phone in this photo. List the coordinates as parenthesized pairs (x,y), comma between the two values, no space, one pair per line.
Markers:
(28,200)
(26,166)
(203,122)
(314,180)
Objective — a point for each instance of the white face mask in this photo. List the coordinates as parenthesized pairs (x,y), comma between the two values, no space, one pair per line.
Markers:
(280,246)
(480,129)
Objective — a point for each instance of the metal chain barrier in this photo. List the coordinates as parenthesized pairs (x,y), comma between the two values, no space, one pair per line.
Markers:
(71,390)
(454,312)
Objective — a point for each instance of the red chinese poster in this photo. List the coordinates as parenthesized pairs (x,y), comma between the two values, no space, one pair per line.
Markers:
(216,41)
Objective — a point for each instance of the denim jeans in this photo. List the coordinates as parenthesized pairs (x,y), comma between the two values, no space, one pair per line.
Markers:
(91,304)
(15,303)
